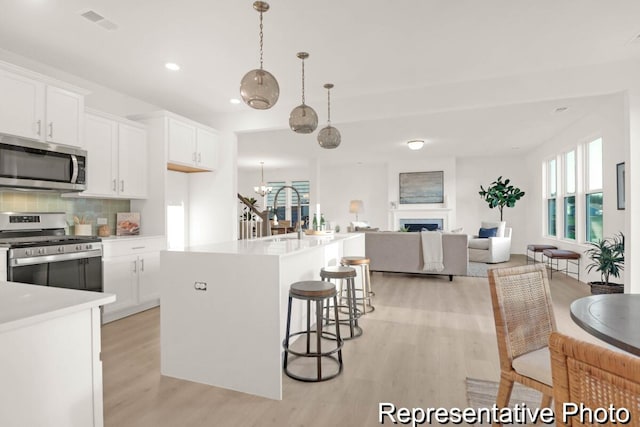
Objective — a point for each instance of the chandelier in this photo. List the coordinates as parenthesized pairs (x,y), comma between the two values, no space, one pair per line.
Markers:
(258,88)
(329,137)
(262,189)
(303,119)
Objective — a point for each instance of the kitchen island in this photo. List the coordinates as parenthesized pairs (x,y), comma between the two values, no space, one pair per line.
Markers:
(224,306)
(50,359)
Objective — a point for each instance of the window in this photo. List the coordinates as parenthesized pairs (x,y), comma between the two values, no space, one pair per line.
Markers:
(569,195)
(593,196)
(552,190)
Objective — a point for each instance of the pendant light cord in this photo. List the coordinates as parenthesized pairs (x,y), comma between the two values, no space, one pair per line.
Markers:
(302,81)
(261,40)
(329,106)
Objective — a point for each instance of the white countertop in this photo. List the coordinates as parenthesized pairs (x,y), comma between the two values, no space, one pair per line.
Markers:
(282,244)
(23,305)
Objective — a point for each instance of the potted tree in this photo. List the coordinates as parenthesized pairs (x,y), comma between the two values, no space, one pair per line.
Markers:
(500,194)
(607,257)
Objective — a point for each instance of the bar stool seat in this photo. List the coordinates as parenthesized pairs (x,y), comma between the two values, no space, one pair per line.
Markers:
(365,276)
(319,292)
(348,275)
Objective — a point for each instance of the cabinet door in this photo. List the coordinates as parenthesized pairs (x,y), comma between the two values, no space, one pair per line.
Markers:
(148,281)
(22,106)
(64,112)
(101,137)
(121,279)
(182,143)
(132,162)
(207,154)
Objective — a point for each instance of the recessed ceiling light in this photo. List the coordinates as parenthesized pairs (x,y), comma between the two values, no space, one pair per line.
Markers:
(415,144)
(172,66)
(234,101)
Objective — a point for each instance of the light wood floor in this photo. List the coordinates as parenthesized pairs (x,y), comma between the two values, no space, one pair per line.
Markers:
(425,336)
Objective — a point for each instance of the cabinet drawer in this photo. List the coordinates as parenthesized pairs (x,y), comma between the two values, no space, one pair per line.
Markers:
(133,245)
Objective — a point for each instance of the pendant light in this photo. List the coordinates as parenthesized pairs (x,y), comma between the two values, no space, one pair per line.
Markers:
(263,189)
(258,88)
(329,137)
(303,119)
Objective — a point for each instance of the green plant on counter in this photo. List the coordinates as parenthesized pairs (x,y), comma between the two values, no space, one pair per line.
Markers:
(404,229)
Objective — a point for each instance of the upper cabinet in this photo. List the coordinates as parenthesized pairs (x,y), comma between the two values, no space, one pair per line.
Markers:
(36,107)
(191,147)
(117,157)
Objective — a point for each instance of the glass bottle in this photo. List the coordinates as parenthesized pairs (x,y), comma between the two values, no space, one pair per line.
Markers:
(315,222)
(322,224)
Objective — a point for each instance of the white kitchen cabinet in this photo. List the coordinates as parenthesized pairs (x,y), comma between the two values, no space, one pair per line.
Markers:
(64,111)
(117,157)
(191,148)
(34,107)
(131,270)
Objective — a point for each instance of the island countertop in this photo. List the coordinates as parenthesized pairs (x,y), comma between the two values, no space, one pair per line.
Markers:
(23,305)
(278,245)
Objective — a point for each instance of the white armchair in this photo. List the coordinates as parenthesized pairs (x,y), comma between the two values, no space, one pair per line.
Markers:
(491,249)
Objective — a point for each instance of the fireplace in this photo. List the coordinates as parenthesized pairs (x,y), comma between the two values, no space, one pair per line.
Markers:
(418,224)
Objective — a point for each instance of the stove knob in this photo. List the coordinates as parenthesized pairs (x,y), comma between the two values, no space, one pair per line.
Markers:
(89,246)
(60,249)
(42,251)
(28,252)
(78,247)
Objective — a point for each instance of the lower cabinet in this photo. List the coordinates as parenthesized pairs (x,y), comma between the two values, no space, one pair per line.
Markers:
(131,269)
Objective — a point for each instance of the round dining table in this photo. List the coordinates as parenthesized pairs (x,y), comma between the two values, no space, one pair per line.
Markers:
(614,318)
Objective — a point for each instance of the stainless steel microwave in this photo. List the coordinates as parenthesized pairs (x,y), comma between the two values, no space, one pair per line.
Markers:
(27,164)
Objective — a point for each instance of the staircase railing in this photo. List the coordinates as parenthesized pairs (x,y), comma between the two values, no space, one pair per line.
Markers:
(254,225)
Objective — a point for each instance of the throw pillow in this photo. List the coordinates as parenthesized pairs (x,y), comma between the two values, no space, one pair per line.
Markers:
(491,224)
(485,233)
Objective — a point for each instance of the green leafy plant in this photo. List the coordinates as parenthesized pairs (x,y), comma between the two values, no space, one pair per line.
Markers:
(607,257)
(500,194)
(404,229)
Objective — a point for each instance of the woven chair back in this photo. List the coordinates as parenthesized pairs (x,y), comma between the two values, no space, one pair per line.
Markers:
(584,373)
(522,310)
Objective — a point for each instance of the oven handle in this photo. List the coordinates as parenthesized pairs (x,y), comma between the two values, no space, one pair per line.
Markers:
(95,253)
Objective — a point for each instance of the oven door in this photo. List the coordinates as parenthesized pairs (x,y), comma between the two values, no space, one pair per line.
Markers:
(77,273)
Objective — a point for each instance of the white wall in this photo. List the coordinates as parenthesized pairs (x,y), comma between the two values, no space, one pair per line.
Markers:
(472,172)
(608,122)
(213,215)
(339,184)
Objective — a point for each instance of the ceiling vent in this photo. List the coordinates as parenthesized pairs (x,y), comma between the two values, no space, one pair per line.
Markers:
(96,18)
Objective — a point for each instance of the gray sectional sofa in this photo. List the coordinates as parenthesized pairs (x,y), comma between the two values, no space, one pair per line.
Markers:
(400,252)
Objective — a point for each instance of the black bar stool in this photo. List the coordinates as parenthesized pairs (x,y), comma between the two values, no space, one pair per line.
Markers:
(348,275)
(365,276)
(318,291)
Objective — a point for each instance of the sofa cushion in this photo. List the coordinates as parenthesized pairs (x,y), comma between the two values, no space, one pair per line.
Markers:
(500,225)
(485,233)
(478,243)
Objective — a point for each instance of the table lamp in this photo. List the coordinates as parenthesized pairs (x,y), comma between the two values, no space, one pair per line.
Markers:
(356,207)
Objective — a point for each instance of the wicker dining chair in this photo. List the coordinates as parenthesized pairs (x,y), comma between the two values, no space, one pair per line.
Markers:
(524,319)
(585,373)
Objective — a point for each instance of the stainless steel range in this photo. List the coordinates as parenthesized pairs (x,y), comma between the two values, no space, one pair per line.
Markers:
(39,252)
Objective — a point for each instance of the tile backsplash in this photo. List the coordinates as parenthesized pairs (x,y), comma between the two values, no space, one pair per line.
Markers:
(90,209)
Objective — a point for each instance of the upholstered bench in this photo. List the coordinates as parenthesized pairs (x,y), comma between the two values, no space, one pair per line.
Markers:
(535,249)
(570,257)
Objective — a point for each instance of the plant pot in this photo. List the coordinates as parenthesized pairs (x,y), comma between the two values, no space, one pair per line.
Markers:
(598,288)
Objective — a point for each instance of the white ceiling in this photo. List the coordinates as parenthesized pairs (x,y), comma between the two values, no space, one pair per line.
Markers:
(376,52)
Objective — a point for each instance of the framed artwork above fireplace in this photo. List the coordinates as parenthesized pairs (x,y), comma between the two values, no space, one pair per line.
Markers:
(421,187)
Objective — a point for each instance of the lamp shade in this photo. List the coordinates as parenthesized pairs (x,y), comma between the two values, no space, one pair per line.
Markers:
(356,207)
